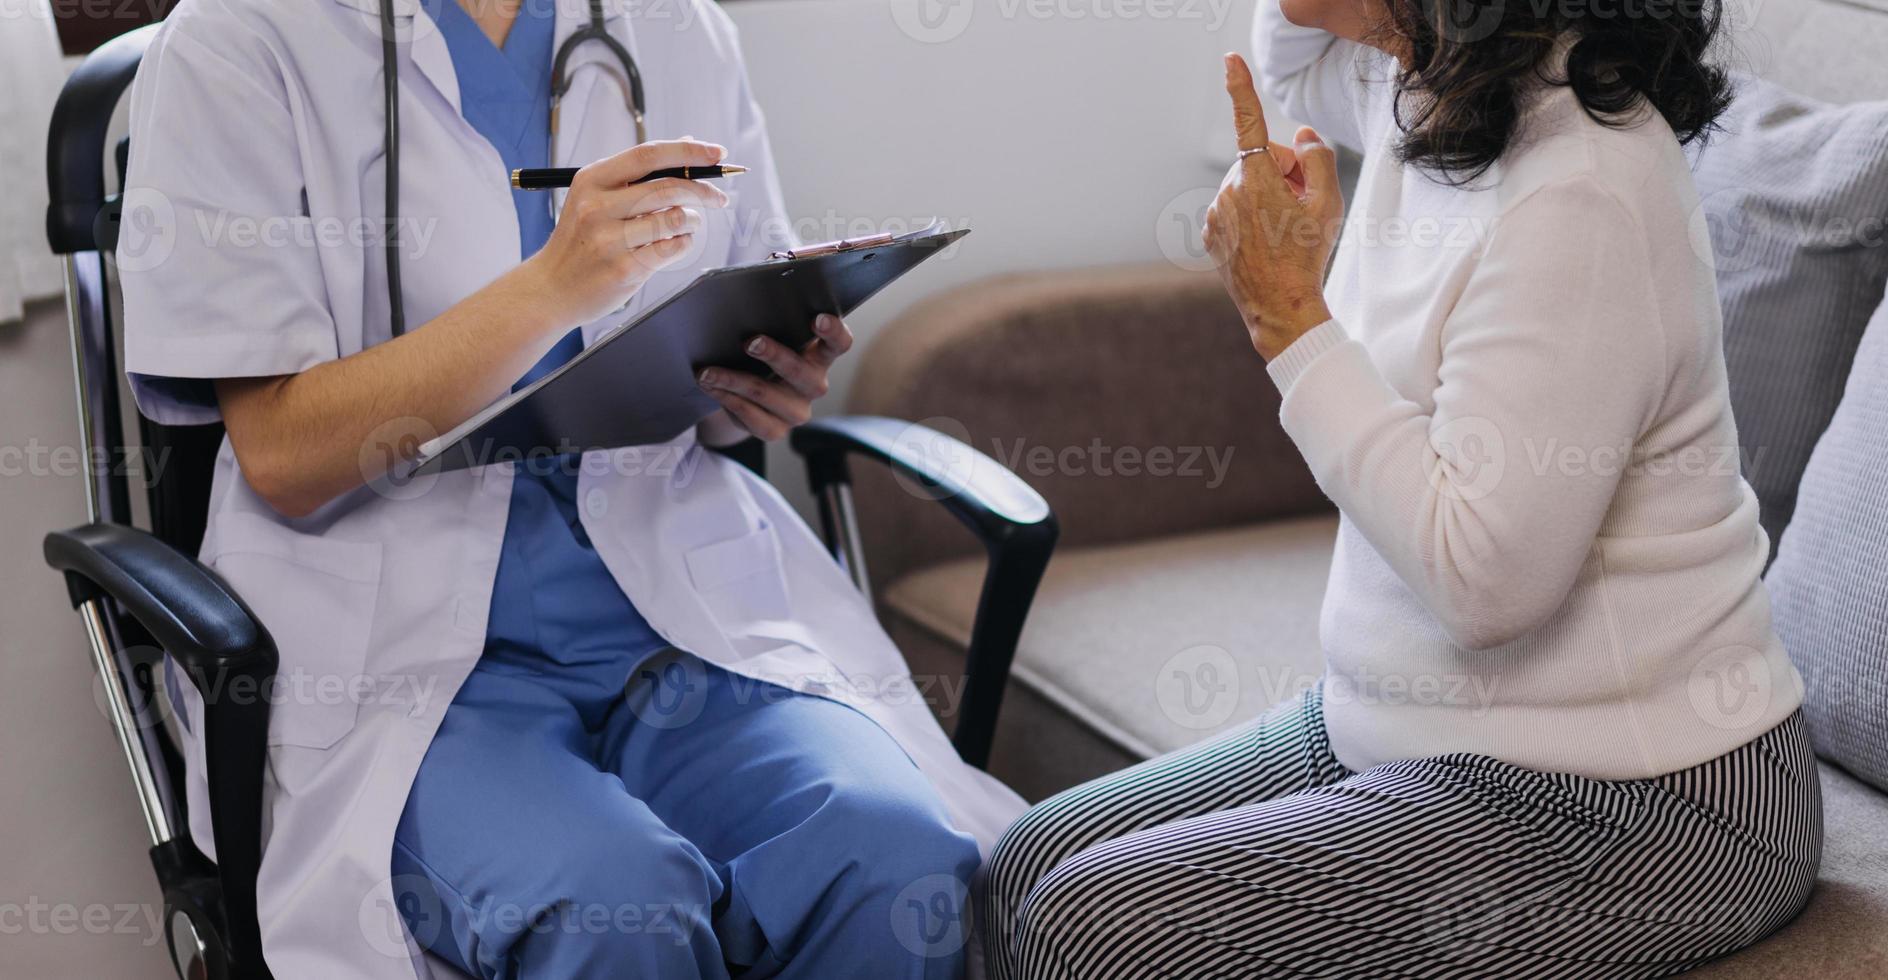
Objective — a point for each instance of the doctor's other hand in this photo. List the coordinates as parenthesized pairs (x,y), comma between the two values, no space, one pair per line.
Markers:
(1270,232)
(770,407)
(613,235)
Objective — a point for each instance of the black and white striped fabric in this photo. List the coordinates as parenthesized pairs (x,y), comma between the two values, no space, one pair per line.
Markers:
(1258,854)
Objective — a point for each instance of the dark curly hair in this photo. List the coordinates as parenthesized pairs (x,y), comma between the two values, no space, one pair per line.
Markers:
(1470,65)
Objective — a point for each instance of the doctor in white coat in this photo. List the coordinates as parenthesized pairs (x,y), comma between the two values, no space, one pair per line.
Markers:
(622,717)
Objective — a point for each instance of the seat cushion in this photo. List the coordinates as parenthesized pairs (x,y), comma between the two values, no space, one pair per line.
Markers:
(1843,935)
(1114,668)
(1134,649)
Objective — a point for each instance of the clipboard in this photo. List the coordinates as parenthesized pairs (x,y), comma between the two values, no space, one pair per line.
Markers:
(636,385)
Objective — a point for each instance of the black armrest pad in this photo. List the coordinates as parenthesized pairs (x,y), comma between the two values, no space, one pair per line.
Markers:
(200,622)
(186,608)
(75,146)
(1015,524)
(980,490)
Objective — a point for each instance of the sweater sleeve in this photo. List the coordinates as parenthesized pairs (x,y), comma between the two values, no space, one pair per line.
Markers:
(1552,365)
(1312,76)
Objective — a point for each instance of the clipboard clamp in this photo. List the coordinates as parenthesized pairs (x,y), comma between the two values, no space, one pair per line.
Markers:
(842,245)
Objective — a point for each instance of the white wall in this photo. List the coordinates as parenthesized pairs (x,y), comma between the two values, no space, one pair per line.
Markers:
(77,898)
(1064,132)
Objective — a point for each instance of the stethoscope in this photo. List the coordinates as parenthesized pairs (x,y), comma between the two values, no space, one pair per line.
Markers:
(561,74)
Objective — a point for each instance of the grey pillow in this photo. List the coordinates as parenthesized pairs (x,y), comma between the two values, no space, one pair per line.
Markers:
(1795,196)
(1829,586)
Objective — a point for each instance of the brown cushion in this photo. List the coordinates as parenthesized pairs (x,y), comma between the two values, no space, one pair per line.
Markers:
(1090,384)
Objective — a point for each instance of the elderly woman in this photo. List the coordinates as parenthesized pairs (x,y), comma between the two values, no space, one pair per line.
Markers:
(1512,386)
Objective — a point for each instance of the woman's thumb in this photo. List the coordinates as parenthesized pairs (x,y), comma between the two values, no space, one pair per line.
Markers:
(1320,168)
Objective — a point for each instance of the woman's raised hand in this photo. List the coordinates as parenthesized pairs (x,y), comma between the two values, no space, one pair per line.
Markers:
(613,235)
(1271,228)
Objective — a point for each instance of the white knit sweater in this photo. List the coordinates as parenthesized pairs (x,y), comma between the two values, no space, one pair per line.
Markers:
(1548,553)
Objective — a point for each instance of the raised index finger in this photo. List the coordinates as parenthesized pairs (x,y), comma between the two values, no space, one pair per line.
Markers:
(1248,117)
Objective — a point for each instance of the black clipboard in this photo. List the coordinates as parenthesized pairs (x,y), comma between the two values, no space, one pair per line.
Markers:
(636,384)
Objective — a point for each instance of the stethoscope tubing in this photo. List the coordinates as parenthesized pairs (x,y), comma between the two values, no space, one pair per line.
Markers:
(560,83)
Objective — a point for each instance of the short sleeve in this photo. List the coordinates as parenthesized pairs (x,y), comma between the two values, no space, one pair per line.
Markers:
(217,257)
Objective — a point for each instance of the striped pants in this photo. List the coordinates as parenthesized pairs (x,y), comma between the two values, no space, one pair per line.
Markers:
(1257,854)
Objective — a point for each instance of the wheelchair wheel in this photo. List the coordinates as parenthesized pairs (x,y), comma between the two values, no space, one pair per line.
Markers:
(196,945)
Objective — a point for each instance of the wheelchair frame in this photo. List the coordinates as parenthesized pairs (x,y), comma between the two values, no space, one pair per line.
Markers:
(142,597)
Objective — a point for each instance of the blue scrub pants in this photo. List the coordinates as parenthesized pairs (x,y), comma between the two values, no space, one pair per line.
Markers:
(694,823)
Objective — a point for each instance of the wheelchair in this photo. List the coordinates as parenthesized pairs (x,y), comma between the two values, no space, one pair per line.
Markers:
(143,598)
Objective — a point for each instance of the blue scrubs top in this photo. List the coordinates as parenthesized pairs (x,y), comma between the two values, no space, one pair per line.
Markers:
(553,599)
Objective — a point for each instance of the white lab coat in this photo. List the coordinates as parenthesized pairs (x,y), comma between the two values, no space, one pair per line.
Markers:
(256,147)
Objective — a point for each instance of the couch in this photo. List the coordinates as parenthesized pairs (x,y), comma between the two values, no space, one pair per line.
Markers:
(1184,597)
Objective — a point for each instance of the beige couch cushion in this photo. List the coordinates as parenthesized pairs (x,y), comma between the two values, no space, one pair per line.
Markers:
(1112,669)
(1127,638)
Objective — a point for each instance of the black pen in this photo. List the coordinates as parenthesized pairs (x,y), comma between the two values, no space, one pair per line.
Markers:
(545,178)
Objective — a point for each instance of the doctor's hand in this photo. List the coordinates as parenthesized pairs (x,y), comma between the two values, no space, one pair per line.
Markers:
(1271,229)
(771,407)
(612,235)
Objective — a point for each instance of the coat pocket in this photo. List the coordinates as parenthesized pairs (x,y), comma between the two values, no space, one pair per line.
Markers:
(741,579)
(316,597)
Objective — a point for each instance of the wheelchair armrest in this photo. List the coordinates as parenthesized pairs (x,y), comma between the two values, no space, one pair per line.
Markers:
(186,608)
(1015,524)
(230,658)
(980,491)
